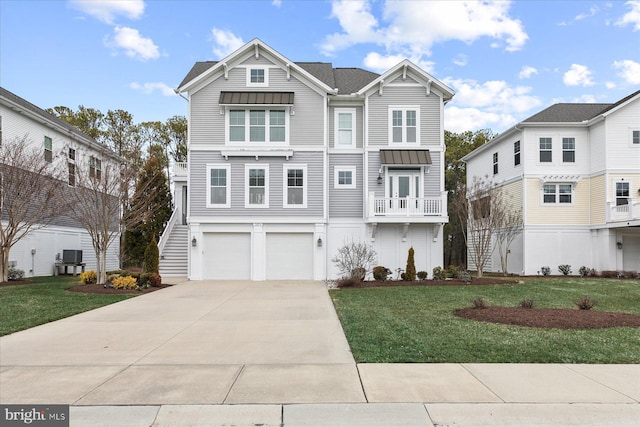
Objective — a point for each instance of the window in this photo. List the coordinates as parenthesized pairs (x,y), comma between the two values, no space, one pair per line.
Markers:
(72,174)
(404,128)
(95,168)
(72,154)
(262,126)
(495,163)
(257,186)
(635,137)
(344,177)
(344,128)
(295,188)
(48,149)
(516,153)
(622,193)
(569,150)
(219,178)
(557,193)
(258,76)
(545,150)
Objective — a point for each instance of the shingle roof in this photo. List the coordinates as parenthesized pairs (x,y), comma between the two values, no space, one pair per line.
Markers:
(322,71)
(351,80)
(197,69)
(568,113)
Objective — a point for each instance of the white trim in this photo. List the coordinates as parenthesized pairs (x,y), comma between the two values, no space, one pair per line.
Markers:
(337,170)
(209,167)
(247,125)
(404,109)
(336,128)
(247,168)
(305,180)
(557,194)
(631,131)
(250,68)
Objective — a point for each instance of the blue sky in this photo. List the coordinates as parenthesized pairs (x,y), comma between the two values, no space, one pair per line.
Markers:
(506,60)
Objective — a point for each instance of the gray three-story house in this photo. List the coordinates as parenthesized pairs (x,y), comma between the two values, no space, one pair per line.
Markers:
(288,161)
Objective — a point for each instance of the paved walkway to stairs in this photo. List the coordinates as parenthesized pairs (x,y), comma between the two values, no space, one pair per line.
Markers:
(273,354)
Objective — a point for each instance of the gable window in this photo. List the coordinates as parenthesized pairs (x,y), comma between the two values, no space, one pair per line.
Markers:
(344,177)
(568,150)
(257,186)
(516,153)
(258,76)
(95,168)
(295,186)
(545,150)
(404,126)
(557,193)
(48,149)
(635,137)
(218,177)
(261,126)
(495,163)
(344,128)
(622,193)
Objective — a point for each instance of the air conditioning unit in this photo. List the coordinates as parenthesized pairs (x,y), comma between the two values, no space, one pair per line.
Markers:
(71,256)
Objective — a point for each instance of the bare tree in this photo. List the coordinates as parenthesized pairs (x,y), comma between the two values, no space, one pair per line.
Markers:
(506,233)
(355,259)
(30,194)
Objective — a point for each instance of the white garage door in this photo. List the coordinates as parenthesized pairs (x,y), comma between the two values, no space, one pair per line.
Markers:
(227,256)
(290,256)
(631,253)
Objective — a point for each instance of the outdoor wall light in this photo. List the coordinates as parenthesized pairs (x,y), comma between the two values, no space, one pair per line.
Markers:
(379,179)
(619,245)
(319,242)
(194,242)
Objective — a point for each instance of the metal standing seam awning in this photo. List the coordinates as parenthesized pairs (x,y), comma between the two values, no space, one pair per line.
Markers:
(256,98)
(405,157)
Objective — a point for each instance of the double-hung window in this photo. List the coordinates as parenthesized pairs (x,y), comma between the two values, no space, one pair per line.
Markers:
(516,153)
(95,168)
(495,163)
(545,150)
(218,181)
(344,177)
(345,128)
(71,166)
(568,150)
(257,125)
(48,149)
(295,186)
(257,186)
(404,125)
(622,193)
(557,194)
(635,136)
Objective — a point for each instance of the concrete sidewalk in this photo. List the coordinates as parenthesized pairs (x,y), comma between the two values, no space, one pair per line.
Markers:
(274,353)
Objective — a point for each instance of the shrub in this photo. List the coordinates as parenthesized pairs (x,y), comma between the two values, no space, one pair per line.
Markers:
(610,274)
(124,282)
(546,270)
(585,303)
(89,276)
(437,273)
(381,273)
(586,271)
(565,269)
(410,271)
(150,279)
(630,274)
(15,274)
(151,257)
(422,275)
(479,303)
(452,271)
(347,282)
(526,303)
(354,259)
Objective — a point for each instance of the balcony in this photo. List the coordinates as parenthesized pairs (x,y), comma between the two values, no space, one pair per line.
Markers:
(407,209)
(630,211)
(180,169)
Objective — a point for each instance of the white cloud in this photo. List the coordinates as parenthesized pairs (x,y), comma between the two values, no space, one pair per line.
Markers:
(225,42)
(585,99)
(134,45)
(629,71)
(108,10)
(592,11)
(149,88)
(413,27)
(526,72)
(461,60)
(277,3)
(381,63)
(632,17)
(578,75)
(464,119)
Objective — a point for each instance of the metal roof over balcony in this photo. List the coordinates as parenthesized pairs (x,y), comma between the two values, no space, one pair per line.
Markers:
(405,157)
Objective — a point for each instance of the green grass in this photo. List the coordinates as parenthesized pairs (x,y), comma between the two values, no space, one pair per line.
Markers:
(26,306)
(415,324)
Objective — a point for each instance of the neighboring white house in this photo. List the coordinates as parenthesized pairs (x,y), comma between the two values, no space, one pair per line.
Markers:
(60,142)
(574,169)
(289,160)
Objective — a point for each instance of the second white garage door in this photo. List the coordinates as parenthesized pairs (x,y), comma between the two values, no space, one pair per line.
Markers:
(289,256)
(227,256)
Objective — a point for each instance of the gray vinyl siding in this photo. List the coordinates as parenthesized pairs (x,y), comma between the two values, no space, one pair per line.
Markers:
(398,95)
(431,184)
(198,185)
(357,126)
(347,202)
(305,126)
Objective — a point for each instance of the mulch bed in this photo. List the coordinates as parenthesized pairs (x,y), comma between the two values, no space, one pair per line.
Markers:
(556,318)
(16,282)
(94,288)
(482,281)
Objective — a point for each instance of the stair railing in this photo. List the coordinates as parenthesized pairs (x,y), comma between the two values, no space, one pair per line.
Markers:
(167,231)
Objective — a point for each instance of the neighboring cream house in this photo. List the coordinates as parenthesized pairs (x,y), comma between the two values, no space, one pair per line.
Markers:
(574,169)
(290,160)
(37,253)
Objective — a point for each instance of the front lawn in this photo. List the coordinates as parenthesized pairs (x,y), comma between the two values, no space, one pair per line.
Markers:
(45,300)
(416,324)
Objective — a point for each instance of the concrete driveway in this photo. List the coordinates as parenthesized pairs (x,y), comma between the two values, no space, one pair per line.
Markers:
(194,343)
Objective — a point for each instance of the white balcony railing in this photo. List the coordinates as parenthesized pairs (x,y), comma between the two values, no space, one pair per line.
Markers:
(624,212)
(180,169)
(406,206)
